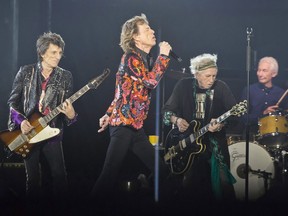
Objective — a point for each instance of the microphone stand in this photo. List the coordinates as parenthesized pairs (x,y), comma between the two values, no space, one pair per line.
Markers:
(248,66)
(262,174)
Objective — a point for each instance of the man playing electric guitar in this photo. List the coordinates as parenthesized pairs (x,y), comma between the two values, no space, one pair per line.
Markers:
(41,87)
(200,100)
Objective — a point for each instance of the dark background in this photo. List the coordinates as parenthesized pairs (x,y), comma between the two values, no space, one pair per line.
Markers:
(91,30)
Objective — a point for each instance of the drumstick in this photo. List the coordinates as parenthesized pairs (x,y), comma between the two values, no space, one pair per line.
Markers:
(282,97)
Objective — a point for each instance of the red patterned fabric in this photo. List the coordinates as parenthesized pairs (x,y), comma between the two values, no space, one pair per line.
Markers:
(134,83)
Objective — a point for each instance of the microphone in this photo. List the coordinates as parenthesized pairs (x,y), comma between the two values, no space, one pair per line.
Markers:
(174,55)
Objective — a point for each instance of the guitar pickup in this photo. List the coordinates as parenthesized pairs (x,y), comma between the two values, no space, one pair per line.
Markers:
(182,144)
(18,142)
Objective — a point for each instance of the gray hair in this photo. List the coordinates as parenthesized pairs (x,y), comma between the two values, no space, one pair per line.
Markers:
(272,63)
(203,62)
(45,40)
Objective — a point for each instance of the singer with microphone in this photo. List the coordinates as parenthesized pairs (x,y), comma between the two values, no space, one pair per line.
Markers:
(173,54)
(137,76)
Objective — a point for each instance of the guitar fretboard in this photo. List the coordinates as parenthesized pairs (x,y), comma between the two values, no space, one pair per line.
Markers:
(92,84)
(204,130)
(73,98)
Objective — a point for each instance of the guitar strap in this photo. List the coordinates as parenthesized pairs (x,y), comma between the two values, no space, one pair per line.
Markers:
(210,94)
(218,165)
(52,91)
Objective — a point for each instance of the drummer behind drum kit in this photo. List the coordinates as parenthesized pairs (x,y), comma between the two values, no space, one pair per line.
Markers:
(267,157)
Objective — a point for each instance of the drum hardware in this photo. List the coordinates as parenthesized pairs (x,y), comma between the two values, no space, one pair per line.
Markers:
(233,138)
(241,171)
(284,169)
(263,174)
(274,148)
(261,169)
(280,158)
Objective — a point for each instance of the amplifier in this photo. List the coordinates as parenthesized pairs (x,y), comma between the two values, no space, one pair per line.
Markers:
(12,179)
(12,165)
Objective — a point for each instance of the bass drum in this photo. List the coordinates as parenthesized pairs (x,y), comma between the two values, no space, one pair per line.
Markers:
(261,170)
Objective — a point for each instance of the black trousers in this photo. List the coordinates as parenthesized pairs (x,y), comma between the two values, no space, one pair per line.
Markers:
(123,139)
(52,152)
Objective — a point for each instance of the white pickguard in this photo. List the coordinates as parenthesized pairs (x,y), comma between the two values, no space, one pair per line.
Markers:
(45,134)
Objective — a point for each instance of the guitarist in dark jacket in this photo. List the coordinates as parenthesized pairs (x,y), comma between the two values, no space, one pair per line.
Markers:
(202,99)
(40,88)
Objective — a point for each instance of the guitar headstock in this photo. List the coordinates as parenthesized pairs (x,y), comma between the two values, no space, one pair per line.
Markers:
(239,109)
(94,83)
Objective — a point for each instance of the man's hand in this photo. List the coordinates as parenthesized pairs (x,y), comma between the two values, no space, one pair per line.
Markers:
(67,109)
(215,127)
(26,127)
(270,109)
(103,123)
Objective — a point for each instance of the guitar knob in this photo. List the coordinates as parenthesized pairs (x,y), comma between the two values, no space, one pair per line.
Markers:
(21,150)
(25,146)
(27,150)
(23,155)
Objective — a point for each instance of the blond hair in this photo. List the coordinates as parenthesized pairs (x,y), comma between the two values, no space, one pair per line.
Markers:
(129,29)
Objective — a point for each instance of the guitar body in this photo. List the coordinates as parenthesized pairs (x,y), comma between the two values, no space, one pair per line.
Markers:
(182,155)
(22,144)
(181,148)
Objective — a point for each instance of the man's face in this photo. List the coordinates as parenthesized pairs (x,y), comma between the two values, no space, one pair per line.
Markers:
(206,78)
(145,39)
(52,56)
(265,74)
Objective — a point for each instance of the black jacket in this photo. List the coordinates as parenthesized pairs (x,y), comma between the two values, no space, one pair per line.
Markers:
(26,91)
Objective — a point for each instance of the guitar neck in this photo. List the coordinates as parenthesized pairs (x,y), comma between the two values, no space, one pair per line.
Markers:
(72,99)
(204,129)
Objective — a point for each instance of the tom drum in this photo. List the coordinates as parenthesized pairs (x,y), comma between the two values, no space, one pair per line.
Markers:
(273,130)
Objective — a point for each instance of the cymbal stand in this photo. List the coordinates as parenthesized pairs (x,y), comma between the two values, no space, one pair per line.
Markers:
(284,168)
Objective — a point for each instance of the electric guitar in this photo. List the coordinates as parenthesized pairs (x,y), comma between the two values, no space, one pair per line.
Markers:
(181,147)
(22,144)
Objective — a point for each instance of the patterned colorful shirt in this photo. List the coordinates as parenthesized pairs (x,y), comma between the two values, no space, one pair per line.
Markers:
(134,83)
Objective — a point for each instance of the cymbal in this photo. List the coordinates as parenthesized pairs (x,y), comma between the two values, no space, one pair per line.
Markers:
(177,74)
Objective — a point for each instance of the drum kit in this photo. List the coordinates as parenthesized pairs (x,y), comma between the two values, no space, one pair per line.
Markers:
(268,157)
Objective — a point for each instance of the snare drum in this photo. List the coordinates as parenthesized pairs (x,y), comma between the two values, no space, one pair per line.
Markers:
(261,170)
